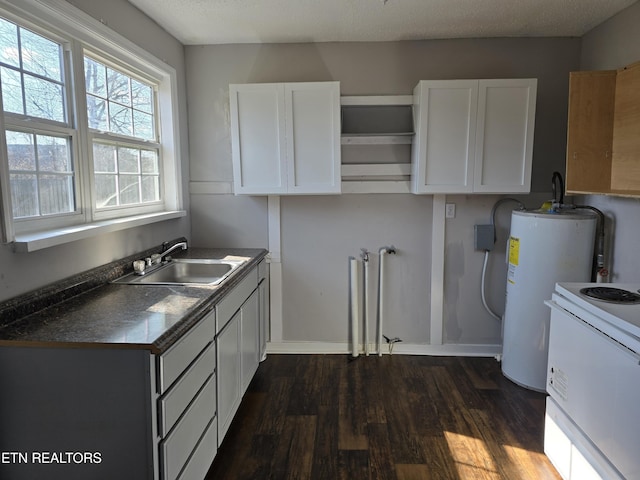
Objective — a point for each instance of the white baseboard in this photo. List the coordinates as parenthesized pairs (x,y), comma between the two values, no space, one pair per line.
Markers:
(453,350)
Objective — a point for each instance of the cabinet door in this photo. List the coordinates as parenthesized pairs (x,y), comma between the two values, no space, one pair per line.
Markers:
(258,146)
(504,140)
(590,131)
(229,374)
(625,166)
(313,137)
(250,339)
(443,153)
(263,292)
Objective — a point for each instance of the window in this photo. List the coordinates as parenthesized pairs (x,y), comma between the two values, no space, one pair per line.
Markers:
(41,172)
(88,125)
(126,153)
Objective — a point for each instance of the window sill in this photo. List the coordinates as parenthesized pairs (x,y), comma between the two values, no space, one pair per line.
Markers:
(30,242)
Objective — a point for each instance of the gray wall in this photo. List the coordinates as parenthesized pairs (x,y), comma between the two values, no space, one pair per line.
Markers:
(20,273)
(612,45)
(319,233)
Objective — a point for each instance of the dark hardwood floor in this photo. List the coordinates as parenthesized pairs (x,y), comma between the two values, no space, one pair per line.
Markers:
(326,417)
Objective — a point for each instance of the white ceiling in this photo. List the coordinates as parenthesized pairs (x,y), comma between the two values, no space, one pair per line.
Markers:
(200,22)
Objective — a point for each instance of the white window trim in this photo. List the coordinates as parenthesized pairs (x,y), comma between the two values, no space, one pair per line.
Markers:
(62,16)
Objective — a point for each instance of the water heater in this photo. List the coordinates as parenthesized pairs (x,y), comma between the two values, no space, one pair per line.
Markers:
(544,248)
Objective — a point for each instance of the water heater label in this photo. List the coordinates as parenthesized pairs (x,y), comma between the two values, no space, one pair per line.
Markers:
(514,257)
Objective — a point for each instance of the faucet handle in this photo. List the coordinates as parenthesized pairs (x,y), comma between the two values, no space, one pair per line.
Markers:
(139,266)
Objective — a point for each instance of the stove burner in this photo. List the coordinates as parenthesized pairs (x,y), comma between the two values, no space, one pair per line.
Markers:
(612,295)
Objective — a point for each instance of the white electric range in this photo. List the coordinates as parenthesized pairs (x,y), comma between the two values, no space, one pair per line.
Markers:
(592,423)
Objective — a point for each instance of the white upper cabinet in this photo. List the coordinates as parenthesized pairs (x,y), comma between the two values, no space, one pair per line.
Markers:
(504,143)
(445,123)
(258,143)
(285,138)
(473,136)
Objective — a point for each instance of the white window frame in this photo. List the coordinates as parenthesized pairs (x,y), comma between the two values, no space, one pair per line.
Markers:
(80,33)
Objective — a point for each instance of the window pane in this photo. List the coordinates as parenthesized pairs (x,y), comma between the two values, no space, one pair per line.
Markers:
(128,160)
(95,78)
(11,90)
(134,176)
(124,106)
(150,189)
(143,125)
(24,195)
(106,191)
(40,55)
(53,154)
(118,87)
(9,43)
(129,189)
(149,161)
(56,194)
(40,193)
(21,152)
(120,119)
(142,96)
(104,158)
(44,99)
(97,113)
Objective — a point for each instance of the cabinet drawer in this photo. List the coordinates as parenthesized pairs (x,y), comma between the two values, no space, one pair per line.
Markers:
(177,447)
(180,355)
(235,298)
(180,395)
(203,455)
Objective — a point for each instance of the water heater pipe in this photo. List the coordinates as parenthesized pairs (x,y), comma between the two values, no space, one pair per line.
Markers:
(600,273)
(382,253)
(365,299)
(354,301)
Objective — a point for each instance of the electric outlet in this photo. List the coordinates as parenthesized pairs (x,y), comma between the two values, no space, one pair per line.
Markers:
(450,210)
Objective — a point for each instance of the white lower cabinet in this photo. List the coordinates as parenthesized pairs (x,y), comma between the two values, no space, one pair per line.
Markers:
(263,291)
(141,415)
(187,403)
(182,441)
(250,338)
(238,346)
(200,461)
(229,374)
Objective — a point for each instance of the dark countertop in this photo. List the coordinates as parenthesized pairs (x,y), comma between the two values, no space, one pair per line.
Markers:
(111,315)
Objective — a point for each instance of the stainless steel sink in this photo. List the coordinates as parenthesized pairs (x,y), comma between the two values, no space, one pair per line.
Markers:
(185,271)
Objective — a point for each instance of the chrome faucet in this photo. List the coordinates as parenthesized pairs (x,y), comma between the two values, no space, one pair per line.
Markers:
(149,264)
(182,245)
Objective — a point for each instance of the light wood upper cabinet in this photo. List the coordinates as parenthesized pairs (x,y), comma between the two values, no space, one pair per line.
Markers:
(603,132)
(473,136)
(590,131)
(625,167)
(285,138)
